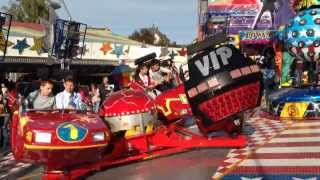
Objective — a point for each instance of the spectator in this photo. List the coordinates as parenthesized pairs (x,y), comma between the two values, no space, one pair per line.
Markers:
(267,65)
(95,97)
(43,97)
(68,99)
(105,88)
(4,117)
(156,74)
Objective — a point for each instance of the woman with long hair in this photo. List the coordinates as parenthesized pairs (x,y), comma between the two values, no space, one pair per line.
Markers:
(142,80)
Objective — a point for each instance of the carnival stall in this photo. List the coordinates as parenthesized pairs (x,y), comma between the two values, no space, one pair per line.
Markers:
(253,42)
(300,70)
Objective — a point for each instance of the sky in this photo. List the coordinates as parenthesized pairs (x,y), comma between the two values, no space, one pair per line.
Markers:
(176,18)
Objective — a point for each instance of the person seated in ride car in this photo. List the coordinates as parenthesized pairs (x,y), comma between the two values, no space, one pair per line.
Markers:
(156,73)
(141,76)
(105,88)
(69,99)
(168,82)
(143,80)
(42,98)
(95,97)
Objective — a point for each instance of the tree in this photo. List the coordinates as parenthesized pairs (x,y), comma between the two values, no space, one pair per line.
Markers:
(153,36)
(28,10)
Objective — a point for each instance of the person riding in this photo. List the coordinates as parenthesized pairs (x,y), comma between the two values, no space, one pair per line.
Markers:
(69,99)
(157,73)
(105,88)
(141,76)
(42,98)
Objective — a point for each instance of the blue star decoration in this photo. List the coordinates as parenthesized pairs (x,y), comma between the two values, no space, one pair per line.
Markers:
(21,45)
(118,50)
(173,54)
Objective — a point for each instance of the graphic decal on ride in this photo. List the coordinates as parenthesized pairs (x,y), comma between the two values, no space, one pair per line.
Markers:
(71,132)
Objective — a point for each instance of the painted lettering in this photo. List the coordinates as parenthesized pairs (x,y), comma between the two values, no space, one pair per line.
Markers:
(225,53)
(203,67)
(214,60)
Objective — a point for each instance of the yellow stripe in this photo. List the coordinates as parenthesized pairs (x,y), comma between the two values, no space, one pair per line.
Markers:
(168,102)
(38,147)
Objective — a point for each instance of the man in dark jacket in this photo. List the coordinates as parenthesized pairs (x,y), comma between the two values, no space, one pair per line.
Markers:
(105,88)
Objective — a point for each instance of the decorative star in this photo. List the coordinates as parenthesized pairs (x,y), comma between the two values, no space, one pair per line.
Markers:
(164,52)
(317,33)
(303,32)
(173,54)
(182,52)
(3,42)
(106,47)
(295,43)
(290,35)
(309,42)
(39,46)
(21,45)
(118,50)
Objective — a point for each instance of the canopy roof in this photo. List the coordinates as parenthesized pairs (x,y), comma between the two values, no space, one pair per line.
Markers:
(93,34)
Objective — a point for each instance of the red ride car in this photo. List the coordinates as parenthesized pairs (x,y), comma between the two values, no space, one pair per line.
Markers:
(58,138)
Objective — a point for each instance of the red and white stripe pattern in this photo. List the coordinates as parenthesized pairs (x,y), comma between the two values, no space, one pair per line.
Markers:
(260,131)
(294,152)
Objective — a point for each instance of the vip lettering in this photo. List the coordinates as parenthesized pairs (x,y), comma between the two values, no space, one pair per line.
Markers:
(225,53)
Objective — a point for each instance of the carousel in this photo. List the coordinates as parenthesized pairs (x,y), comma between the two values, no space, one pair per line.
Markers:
(298,96)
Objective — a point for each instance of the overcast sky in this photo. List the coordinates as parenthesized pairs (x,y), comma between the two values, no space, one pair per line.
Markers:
(176,18)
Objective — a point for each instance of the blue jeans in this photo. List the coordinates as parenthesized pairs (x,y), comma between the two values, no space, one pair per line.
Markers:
(5,132)
(95,106)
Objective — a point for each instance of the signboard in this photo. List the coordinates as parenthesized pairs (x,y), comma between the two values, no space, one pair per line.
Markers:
(221,84)
(259,37)
(220,66)
(251,14)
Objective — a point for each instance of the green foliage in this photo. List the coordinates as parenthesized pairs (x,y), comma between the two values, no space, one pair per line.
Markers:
(28,10)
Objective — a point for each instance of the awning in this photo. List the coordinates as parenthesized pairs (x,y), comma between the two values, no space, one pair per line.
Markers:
(50,61)
(32,65)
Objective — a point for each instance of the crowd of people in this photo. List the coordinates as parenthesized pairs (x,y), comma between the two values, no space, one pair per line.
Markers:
(156,77)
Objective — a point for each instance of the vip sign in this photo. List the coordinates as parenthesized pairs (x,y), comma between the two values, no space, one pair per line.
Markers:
(204,64)
(214,62)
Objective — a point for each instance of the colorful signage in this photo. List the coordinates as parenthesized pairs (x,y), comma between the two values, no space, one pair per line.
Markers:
(256,35)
